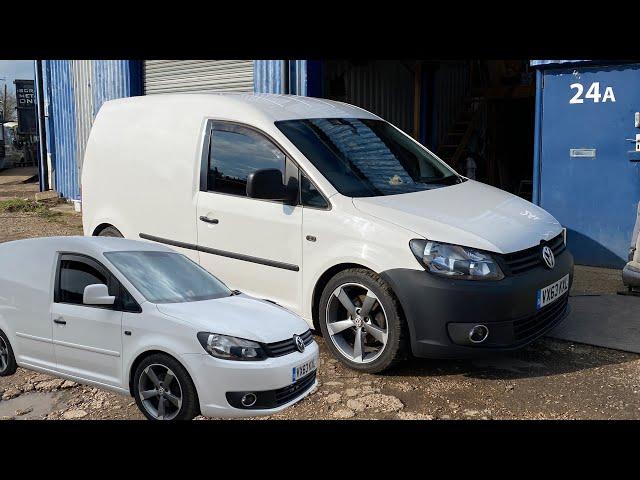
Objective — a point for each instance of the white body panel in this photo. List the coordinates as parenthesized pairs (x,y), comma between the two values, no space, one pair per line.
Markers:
(147,181)
(92,348)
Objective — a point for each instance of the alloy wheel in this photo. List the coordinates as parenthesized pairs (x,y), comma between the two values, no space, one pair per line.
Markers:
(357,323)
(160,392)
(4,355)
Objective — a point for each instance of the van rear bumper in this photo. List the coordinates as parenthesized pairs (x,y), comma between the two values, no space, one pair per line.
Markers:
(440,311)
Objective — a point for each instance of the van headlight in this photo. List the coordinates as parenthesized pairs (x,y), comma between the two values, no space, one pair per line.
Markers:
(455,261)
(231,348)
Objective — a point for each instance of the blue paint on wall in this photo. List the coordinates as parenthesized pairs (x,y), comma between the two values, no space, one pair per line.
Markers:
(595,196)
(109,79)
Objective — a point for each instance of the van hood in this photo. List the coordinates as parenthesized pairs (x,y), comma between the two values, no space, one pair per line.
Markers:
(239,316)
(471,214)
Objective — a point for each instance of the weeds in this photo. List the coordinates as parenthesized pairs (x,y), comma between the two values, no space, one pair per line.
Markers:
(18,205)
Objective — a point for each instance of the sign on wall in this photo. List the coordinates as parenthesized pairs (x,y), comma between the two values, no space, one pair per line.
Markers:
(26,107)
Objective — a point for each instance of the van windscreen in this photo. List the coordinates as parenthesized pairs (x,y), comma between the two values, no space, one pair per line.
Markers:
(366,158)
(166,277)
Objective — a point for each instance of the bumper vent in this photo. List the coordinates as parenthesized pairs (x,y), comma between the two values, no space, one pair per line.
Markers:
(531,326)
(525,260)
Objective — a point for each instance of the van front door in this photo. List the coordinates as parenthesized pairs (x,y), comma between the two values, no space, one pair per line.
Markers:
(252,245)
(87,338)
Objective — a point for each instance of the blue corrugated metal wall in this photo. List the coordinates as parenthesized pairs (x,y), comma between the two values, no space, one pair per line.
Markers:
(67,90)
(268,78)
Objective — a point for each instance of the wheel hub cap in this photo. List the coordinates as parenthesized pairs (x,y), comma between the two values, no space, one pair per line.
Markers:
(356,323)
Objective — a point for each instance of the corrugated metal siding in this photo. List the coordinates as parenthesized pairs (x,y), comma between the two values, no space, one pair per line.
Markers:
(451,86)
(383,87)
(74,92)
(171,76)
(268,77)
(64,119)
(83,103)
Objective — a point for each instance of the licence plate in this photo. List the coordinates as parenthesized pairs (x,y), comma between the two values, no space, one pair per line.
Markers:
(551,293)
(302,370)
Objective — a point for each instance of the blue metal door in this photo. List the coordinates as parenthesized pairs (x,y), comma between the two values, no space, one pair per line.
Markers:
(587,179)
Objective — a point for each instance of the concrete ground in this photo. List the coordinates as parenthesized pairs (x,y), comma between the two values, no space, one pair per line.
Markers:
(550,379)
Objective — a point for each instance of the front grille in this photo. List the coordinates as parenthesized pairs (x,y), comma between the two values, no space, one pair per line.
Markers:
(285,347)
(286,394)
(532,325)
(525,260)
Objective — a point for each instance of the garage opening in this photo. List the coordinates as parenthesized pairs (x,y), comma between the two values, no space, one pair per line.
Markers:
(477,115)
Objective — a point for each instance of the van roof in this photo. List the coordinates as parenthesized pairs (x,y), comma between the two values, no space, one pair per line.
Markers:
(244,105)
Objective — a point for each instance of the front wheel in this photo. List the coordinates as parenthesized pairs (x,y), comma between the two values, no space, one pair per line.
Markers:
(361,321)
(8,365)
(164,390)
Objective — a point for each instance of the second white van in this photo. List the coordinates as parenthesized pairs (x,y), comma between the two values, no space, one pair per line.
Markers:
(333,213)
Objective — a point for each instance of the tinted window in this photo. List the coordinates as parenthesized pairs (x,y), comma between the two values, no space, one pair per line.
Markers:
(235,153)
(364,158)
(74,277)
(164,277)
(309,194)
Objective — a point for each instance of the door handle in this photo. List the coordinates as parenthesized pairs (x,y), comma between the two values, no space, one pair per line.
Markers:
(209,220)
(59,321)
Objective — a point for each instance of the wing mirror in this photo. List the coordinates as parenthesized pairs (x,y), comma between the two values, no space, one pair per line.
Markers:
(266,184)
(97,294)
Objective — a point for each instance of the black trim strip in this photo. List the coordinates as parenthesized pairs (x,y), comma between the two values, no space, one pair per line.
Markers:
(222,253)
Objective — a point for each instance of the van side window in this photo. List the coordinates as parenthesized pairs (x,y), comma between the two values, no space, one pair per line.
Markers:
(237,151)
(74,277)
(309,194)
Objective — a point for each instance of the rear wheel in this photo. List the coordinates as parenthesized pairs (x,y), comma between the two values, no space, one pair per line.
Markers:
(361,321)
(110,232)
(8,363)
(164,390)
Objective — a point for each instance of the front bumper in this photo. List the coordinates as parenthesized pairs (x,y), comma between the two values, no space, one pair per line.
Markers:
(440,311)
(214,378)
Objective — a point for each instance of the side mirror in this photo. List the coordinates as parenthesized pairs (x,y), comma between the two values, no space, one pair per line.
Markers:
(97,294)
(266,184)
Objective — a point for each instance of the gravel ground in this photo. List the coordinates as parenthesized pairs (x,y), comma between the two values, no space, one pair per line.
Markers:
(550,379)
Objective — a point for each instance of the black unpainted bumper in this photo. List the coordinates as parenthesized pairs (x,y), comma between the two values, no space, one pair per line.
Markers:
(440,311)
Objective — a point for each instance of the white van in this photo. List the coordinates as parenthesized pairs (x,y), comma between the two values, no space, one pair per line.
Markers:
(333,213)
(142,320)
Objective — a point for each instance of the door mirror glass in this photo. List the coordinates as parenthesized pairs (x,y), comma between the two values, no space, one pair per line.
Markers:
(97,294)
(266,184)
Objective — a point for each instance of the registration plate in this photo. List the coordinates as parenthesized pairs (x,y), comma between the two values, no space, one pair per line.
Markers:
(551,293)
(302,370)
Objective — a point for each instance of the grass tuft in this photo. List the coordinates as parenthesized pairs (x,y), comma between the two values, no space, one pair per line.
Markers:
(18,205)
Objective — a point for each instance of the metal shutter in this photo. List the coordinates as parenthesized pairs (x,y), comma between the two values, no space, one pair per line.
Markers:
(171,76)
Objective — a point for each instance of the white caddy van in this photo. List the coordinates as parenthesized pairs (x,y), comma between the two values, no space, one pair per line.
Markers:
(333,213)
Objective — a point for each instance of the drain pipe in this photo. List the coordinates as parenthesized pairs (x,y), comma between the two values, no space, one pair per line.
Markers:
(42,139)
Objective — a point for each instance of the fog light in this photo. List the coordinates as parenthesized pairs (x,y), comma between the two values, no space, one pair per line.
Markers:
(249,400)
(478,334)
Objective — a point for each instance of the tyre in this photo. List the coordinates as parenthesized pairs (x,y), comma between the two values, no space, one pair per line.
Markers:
(8,363)
(361,321)
(164,390)
(110,232)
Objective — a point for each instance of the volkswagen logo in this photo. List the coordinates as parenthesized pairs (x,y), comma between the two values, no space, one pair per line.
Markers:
(547,256)
(299,343)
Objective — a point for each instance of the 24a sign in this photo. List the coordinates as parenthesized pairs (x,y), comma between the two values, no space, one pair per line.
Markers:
(593,93)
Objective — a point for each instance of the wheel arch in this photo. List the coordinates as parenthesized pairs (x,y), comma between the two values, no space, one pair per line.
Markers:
(321,283)
(101,227)
(142,355)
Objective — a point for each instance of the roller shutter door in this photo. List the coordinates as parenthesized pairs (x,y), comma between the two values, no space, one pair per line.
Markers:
(174,76)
